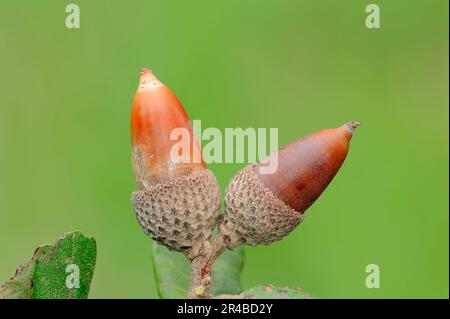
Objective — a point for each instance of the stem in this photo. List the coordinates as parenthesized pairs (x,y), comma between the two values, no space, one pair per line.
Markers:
(202,268)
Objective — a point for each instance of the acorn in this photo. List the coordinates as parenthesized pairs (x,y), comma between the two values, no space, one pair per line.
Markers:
(261,208)
(177,199)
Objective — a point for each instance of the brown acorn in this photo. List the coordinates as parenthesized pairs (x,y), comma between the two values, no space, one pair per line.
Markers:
(262,208)
(178,199)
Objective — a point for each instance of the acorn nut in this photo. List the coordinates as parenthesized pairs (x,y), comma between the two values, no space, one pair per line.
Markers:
(177,201)
(262,208)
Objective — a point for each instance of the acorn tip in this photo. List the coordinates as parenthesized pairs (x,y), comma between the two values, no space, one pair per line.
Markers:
(145,70)
(352,126)
(146,75)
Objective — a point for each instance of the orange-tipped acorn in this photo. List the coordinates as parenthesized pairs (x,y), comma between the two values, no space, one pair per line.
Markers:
(261,208)
(178,199)
(156,113)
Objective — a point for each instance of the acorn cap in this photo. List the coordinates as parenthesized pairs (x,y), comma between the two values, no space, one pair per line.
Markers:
(180,213)
(253,214)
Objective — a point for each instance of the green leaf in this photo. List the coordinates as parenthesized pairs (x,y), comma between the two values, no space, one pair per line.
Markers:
(68,274)
(227,269)
(20,285)
(172,272)
(272,292)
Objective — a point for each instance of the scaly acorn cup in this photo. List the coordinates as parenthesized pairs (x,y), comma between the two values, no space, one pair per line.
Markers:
(178,199)
(263,208)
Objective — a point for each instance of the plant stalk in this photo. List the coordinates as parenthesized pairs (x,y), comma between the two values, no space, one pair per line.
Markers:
(201,268)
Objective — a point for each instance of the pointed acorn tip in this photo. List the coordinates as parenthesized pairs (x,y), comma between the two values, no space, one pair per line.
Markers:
(352,126)
(146,76)
(145,70)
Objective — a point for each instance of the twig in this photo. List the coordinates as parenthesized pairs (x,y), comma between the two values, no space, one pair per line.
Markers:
(201,267)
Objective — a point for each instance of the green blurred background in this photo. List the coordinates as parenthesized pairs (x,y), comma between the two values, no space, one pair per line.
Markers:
(296,65)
